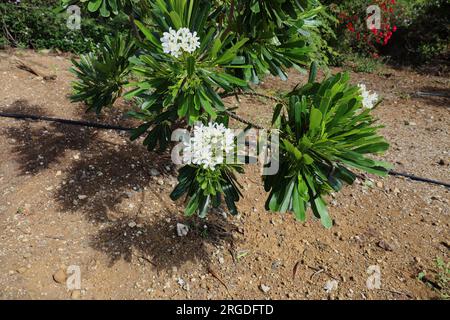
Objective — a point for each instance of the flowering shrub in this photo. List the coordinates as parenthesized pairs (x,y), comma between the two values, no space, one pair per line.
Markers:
(186,55)
(353,30)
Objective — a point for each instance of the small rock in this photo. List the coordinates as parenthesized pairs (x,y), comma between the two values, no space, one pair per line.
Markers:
(76,294)
(396,190)
(442,162)
(132,224)
(58,173)
(76,156)
(21,270)
(385,245)
(182,229)
(60,276)
(160,182)
(276,264)
(380,184)
(264,288)
(183,284)
(330,285)
(82,196)
(154,172)
(221,260)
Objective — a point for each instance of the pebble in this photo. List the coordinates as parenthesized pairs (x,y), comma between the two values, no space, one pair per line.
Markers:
(330,285)
(183,284)
(154,172)
(182,229)
(21,270)
(380,184)
(132,224)
(385,245)
(76,294)
(264,288)
(82,197)
(60,276)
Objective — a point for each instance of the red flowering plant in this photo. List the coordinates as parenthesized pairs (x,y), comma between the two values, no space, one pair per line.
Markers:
(366,25)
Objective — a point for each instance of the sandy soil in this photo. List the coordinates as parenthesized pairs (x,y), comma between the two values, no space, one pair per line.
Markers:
(91,198)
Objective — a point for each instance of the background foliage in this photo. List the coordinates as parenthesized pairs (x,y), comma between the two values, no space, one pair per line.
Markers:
(421,33)
(34,24)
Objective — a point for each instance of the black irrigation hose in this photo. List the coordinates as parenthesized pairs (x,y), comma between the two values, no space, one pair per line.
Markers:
(416,178)
(19,116)
(64,121)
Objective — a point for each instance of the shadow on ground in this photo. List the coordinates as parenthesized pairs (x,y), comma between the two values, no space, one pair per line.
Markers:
(105,175)
(107,171)
(38,145)
(157,242)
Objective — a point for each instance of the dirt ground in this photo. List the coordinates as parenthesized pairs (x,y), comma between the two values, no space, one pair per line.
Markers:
(91,198)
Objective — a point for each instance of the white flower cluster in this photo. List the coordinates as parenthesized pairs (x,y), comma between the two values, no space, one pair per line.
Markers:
(369,99)
(174,42)
(208,145)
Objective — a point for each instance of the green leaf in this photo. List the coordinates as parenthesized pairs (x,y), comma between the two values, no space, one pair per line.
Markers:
(176,20)
(93,5)
(298,205)
(284,206)
(190,65)
(147,33)
(193,204)
(320,208)
(136,133)
(315,121)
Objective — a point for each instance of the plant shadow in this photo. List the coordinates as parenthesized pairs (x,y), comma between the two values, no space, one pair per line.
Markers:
(39,145)
(106,175)
(112,182)
(156,242)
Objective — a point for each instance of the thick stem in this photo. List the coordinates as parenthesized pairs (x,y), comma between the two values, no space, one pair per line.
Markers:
(133,26)
(230,20)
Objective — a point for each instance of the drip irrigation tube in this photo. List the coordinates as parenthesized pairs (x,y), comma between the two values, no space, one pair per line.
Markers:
(89,124)
(120,128)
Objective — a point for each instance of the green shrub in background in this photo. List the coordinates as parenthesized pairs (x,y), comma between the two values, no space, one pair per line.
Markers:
(424,34)
(34,24)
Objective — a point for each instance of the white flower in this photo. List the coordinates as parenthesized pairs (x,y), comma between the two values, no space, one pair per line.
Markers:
(174,42)
(209,145)
(369,99)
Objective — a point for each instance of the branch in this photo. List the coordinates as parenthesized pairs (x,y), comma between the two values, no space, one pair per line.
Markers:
(230,20)
(240,119)
(251,94)
(133,25)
